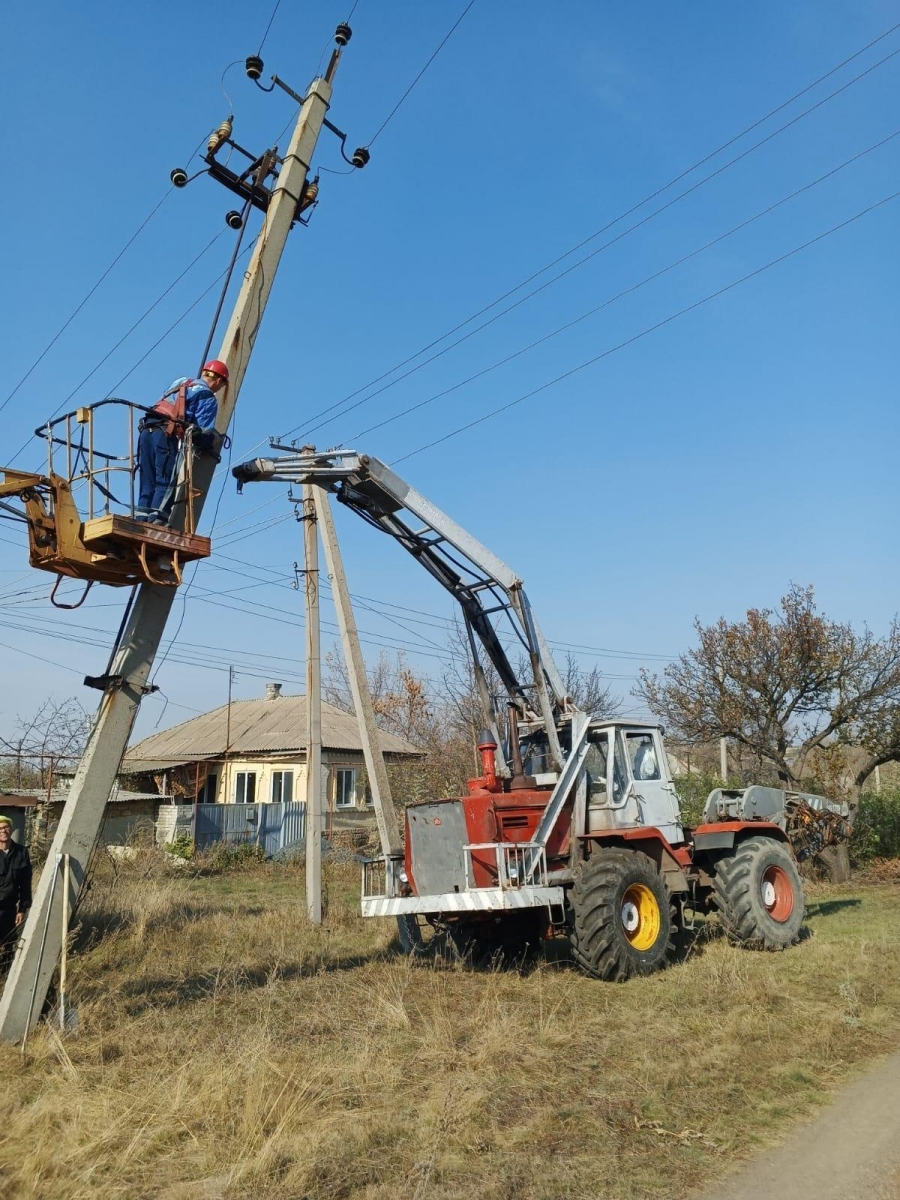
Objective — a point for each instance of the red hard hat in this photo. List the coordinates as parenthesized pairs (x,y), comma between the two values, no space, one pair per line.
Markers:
(218,367)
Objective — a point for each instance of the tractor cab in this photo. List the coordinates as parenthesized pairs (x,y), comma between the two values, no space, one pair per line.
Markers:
(81,513)
(628,779)
(629,784)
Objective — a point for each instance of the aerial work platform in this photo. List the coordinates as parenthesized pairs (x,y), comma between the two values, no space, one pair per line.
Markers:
(78,527)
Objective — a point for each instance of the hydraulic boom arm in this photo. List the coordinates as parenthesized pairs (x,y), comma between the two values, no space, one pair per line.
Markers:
(485,588)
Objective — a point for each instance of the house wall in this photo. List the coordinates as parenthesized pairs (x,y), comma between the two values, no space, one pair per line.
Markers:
(359,812)
(124,822)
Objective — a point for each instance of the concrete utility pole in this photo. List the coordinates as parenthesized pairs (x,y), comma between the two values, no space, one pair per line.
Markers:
(723,760)
(313,711)
(388,829)
(39,946)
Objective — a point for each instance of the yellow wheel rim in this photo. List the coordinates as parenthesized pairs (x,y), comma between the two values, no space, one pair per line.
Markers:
(640,916)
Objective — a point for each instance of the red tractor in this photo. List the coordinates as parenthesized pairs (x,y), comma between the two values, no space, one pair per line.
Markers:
(574,827)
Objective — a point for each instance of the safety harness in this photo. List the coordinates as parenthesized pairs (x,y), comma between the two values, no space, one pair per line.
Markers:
(173,412)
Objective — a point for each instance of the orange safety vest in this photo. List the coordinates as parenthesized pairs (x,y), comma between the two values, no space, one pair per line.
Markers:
(174,411)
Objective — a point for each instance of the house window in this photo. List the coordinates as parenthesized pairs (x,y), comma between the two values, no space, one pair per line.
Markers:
(245,787)
(344,787)
(282,787)
(209,790)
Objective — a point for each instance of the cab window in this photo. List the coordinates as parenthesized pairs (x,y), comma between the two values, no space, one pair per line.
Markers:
(642,756)
(595,761)
(620,775)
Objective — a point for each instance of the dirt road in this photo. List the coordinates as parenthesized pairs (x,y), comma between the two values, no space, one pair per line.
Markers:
(851,1151)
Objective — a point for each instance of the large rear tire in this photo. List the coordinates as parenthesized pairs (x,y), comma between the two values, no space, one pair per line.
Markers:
(758,893)
(621,916)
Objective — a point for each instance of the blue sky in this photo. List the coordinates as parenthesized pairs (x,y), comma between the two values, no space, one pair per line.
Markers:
(697,471)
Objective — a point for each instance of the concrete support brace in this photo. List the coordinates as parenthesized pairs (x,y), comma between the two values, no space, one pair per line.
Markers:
(359,685)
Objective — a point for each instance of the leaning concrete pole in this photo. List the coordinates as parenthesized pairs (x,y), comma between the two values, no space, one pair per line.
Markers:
(385,815)
(39,947)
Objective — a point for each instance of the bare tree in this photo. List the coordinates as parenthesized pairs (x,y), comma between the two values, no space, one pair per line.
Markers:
(56,733)
(791,685)
(444,717)
(588,691)
(414,708)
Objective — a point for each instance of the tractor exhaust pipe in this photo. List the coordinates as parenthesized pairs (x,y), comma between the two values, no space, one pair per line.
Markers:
(519,780)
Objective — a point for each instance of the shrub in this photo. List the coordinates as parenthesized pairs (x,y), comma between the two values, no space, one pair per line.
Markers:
(693,791)
(229,856)
(181,846)
(876,830)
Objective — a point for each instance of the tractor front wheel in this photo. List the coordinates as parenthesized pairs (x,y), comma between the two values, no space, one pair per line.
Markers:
(621,917)
(758,893)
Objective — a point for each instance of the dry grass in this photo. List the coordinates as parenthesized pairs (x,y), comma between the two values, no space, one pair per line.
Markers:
(226,1049)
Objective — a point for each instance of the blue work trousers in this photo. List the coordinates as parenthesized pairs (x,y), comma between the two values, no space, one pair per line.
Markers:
(158,459)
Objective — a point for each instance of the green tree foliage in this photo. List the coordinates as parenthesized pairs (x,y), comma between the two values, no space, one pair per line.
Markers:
(876,831)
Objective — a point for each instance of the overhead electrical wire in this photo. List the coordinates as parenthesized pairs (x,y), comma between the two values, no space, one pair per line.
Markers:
(445,624)
(183,656)
(143,225)
(65,325)
(651,328)
(146,313)
(440,47)
(629,290)
(438,622)
(621,216)
(176,323)
(282,616)
(147,353)
(268,27)
(445,621)
(598,250)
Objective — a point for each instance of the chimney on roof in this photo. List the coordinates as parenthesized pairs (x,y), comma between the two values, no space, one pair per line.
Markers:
(273,691)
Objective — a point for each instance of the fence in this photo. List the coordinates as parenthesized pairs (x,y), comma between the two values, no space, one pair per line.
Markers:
(274,827)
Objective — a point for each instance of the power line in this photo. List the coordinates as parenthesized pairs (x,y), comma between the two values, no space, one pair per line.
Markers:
(268,27)
(600,249)
(650,329)
(622,216)
(143,225)
(446,621)
(440,47)
(629,290)
(146,313)
(176,323)
(147,353)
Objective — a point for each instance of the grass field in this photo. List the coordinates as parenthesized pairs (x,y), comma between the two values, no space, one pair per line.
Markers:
(228,1049)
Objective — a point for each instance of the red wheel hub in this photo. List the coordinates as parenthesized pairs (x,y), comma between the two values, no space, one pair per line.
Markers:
(777,894)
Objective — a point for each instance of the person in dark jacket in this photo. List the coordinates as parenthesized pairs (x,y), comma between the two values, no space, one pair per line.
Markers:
(160,439)
(15,891)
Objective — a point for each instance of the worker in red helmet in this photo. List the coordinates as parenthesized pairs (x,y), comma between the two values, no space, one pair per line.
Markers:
(189,404)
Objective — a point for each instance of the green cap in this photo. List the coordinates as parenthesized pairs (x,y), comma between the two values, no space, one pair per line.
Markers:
(5,820)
